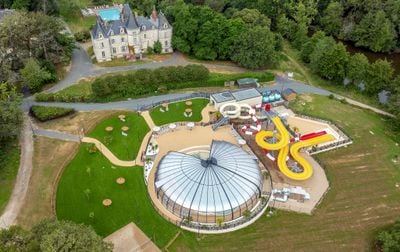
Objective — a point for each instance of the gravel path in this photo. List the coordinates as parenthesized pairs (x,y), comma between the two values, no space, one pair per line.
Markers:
(24,173)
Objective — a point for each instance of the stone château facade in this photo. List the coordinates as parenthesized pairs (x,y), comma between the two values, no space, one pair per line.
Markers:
(130,35)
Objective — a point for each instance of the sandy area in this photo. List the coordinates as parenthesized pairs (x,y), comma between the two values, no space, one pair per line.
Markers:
(316,186)
(131,239)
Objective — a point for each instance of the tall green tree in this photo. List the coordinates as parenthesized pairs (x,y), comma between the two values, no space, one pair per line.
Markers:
(252,17)
(376,32)
(309,46)
(357,68)
(10,113)
(34,76)
(53,236)
(379,75)
(331,20)
(329,59)
(255,48)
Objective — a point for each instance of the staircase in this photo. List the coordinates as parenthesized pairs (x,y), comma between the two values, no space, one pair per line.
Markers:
(222,121)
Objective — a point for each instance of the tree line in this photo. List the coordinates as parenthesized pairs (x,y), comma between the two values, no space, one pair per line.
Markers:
(32,44)
(245,37)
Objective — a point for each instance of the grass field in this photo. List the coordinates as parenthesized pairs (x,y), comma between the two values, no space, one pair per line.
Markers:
(176,111)
(130,202)
(9,164)
(363,197)
(123,147)
(50,156)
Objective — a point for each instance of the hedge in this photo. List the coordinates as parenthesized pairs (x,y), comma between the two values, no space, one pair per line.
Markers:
(145,81)
(44,113)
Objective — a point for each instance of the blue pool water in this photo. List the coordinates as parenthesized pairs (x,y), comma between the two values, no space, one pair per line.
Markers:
(109,14)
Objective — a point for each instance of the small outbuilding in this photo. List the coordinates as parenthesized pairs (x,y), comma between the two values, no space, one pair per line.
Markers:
(289,94)
(248,83)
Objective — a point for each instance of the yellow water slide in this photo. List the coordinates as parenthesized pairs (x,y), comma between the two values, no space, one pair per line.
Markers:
(294,152)
(283,139)
(282,144)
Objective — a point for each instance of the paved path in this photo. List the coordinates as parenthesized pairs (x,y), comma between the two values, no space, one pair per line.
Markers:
(56,135)
(108,154)
(24,173)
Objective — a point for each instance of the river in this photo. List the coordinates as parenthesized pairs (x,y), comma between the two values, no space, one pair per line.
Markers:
(393,57)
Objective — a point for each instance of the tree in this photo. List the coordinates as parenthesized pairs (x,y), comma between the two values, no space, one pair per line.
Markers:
(32,35)
(52,235)
(252,17)
(157,47)
(357,68)
(255,48)
(331,20)
(33,75)
(376,32)
(379,75)
(308,47)
(10,112)
(389,240)
(329,59)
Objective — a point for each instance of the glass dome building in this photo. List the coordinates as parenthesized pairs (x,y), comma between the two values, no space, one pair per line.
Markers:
(223,185)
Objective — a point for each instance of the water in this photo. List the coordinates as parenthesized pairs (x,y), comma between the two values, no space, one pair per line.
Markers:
(109,14)
(372,57)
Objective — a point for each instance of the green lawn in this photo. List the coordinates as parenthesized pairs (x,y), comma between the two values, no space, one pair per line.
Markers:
(130,202)
(123,147)
(363,197)
(176,111)
(9,164)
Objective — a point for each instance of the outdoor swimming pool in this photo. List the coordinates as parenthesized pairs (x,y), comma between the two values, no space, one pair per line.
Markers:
(109,14)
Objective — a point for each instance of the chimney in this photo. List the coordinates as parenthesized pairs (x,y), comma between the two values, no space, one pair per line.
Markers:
(154,14)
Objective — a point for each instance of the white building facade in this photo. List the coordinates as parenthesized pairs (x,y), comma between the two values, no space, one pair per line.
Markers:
(130,36)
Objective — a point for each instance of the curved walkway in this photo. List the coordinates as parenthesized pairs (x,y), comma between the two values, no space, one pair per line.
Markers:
(24,173)
(107,153)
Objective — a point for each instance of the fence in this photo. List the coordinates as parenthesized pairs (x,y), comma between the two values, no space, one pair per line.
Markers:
(187,97)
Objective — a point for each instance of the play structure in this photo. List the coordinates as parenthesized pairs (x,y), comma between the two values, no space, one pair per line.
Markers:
(280,140)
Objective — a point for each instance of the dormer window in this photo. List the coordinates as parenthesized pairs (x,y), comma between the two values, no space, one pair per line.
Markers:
(100,35)
(143,27)
(165,26)
(121,30)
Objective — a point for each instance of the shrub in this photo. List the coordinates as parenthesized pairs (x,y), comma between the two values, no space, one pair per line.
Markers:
(389,239)
(43,113)
(82,36)
(157,47)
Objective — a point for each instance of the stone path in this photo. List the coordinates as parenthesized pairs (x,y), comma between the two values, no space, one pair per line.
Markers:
(24,173)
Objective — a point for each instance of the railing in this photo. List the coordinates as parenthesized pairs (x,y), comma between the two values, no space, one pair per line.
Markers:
(187,97)
(231,224)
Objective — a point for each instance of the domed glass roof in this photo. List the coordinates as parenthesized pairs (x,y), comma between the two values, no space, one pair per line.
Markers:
(219,184)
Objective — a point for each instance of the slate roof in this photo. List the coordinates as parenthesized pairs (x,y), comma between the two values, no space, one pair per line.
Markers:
(129,21)
(246,81)
(223,97)
(288,91)
(246,94)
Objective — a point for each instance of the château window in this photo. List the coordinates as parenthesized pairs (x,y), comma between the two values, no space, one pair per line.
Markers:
(144,35)
(102,45)
(122,40)
(123,49)
(112,41)
(166,43)
(114,50)
(103,54)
